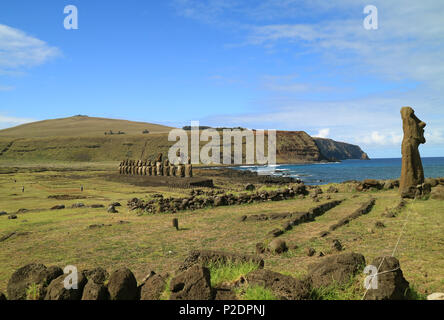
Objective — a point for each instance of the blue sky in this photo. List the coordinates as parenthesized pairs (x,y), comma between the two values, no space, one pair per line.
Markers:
(283,64)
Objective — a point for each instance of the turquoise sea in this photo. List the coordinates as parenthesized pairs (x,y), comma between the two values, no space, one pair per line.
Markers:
(323,173)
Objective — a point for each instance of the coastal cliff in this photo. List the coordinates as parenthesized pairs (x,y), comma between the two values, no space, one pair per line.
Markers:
(334,150)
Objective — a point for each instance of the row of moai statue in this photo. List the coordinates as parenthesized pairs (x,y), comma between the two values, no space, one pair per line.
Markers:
(156,168)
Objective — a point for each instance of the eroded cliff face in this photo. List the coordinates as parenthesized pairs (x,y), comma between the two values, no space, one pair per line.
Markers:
(297,146)
(334,150)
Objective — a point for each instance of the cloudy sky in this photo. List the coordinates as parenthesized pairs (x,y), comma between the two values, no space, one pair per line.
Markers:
(278,64)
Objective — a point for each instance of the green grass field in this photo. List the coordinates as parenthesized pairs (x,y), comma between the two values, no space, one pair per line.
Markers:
(149,242)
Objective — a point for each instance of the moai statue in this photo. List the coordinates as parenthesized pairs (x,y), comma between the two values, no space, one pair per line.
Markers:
(149,169)
(189,169)
(159,166)
(121,167)
(172,170)
(180,171)
(133,168)
(412,173)
(166,168)
(140,168)
(154,168)
(144,170)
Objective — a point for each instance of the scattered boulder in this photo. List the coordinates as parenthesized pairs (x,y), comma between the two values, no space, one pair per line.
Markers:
(95,289)
(336,244)
(78,205)
(193,284)
(57,291)
(2,296)
(58,207)
(335,269)
(287,226)
(432,181)
(95,292)
(283,286)
(116,204)
(433,296)
(437,193)
(369,184)
(152,288)
(12,217)
(260,248)
(391,283)
(276,233)
(250,187)
(97,275)
(332,189)
(379,224)
(122,285)
(31,274)
(310,252)
(391,184)
(3,213)
(112,209)
(278,246)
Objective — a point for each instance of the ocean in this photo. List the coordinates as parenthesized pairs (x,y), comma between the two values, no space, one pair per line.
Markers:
(324,173)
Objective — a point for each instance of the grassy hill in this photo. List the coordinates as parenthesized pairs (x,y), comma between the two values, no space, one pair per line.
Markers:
(80,126)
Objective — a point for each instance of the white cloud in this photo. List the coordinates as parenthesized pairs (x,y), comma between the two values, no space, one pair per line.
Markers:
(377,138)
(323,133)
(7,121)
(18,50)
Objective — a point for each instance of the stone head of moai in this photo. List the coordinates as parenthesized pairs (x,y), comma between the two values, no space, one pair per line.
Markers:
(412,173)
(412,126)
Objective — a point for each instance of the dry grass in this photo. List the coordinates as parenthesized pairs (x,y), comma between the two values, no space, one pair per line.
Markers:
(148,242)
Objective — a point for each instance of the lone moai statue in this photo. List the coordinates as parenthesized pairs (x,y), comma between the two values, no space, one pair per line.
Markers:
(176,224)
(412,172)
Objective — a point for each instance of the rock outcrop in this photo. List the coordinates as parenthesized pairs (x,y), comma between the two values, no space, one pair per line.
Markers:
(122,285)
(336,151)
(192,284)
(391,283)
(283,287)
(335,269)
(29,275)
